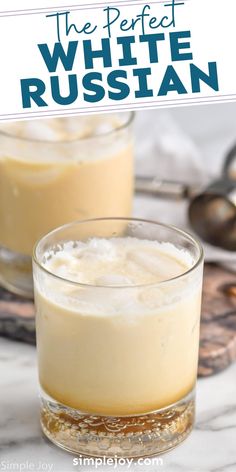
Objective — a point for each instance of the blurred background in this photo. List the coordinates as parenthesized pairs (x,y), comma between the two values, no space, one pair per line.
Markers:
(187,144)
(201,133)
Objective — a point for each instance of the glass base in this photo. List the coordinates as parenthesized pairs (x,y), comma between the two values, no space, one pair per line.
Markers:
(16,272)
(108,436)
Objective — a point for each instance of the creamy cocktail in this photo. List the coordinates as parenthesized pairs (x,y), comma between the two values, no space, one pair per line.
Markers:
(117,329)
(56,171)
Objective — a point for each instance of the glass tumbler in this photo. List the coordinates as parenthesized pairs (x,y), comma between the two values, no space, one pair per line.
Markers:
(117,364)
(56,171)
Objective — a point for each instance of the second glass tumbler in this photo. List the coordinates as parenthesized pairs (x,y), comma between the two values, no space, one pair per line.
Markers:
(56,171)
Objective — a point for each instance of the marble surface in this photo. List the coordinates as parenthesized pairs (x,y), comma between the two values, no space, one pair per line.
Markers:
(212,445)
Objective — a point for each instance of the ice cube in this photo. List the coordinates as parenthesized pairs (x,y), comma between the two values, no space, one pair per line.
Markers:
(42,130)
(13,128)
(78,128)
(159,265)
(103,128)
(99,248)
(152,297)
(92,301)
(113,280)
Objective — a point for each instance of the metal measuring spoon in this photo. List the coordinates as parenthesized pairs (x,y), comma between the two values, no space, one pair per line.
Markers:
(212,211)
(212,214)
(229,167)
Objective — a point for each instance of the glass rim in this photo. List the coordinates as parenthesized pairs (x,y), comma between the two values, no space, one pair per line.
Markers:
(173,228)
(128,122)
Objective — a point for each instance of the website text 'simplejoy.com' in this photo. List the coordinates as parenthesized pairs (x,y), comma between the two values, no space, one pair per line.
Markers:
(115,461)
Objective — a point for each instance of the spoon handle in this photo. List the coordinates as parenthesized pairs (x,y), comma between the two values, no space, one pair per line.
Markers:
(168,189)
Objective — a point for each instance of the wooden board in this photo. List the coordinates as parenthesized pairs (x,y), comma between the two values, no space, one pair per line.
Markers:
(17,317)
(218,325)
(218,322)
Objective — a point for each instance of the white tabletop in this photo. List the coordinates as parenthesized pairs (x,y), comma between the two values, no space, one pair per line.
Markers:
(210,447)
